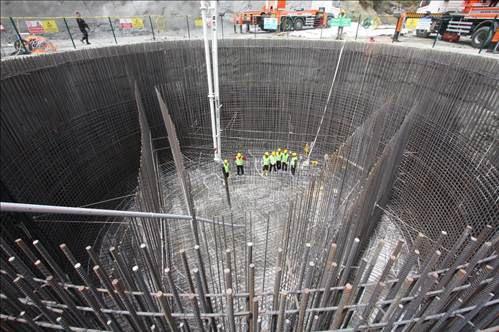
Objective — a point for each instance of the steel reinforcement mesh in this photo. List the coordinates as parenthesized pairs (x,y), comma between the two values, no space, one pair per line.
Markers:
(403,136)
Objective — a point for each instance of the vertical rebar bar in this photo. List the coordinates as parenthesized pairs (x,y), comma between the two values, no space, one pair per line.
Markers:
(48,258)
(138,324)
(167,312)
(339,314)
(281,317)
(84,291)
(459,325)
(26,250)
(254,315)
(197,313)
(26,290)
(230,310)
(352,254)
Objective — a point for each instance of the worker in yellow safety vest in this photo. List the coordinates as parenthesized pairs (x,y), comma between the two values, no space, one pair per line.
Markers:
(294,163)
(239,160)
(273,162)
(278,157)
(284,160)
(266,163)
(226,168)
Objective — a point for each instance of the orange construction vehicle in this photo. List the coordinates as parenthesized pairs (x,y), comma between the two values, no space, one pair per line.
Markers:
(283,19)
(33,44)
(494,43)
(453,19)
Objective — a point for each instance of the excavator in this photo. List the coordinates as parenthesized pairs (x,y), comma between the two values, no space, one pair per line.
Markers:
(285,19)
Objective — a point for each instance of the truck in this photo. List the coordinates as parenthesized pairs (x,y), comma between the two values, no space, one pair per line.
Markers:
(274,16)
(477,19)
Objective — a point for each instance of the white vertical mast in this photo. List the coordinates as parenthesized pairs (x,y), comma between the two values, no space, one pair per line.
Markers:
(214,50)
(211,94)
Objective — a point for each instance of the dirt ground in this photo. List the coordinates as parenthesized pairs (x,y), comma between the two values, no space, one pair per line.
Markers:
(464,46)
(381,36)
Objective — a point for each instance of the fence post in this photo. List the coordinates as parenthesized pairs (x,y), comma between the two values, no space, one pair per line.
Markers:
(435,41)
(222,23)
(18,35)
(188,29)
(69,32)
(112,29)
(152,28)
(358,25)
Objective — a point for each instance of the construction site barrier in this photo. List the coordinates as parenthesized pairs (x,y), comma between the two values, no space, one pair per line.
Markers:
(61,33)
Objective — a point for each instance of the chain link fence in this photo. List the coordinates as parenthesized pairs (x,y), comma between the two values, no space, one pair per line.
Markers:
(55,34)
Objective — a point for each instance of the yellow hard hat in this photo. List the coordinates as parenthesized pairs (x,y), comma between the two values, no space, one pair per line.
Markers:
(226,161)
(285,151)
(273,152)
(294,153)
(239,154)
(266,153)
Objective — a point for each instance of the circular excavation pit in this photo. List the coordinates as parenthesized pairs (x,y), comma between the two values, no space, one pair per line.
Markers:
(401,181)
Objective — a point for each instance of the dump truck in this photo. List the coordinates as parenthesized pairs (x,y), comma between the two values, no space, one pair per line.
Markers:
(477,19)
(274,16)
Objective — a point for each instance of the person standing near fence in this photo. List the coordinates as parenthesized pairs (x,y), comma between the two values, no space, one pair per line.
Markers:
(83,27)
(340,26)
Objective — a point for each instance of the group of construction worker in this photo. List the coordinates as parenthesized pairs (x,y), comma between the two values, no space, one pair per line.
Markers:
(279,160)
(275,161)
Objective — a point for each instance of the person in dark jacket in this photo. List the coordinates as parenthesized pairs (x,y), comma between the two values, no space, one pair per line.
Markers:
(83,27)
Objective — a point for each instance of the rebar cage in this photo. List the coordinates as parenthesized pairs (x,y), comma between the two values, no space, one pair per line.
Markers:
(405,183)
